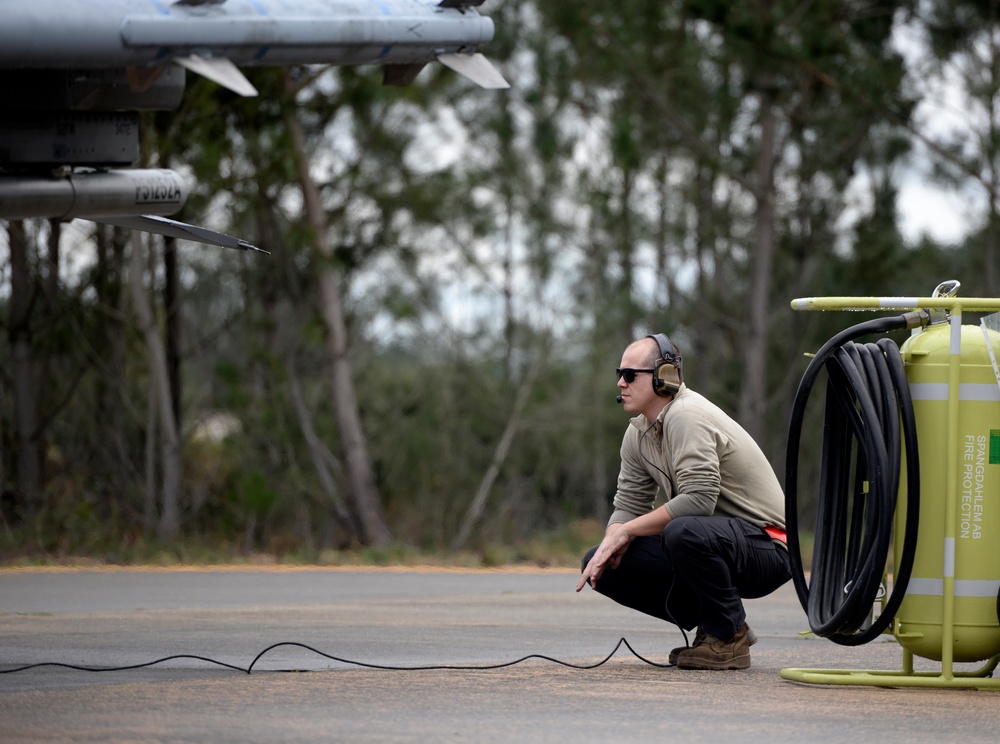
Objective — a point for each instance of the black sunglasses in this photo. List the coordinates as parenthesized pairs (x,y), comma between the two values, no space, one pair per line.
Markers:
(629,374)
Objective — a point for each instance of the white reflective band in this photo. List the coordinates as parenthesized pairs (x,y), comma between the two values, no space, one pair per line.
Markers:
(966,391)
(931,587)
(955,347)
(963,587)
(897,302)
(949,557)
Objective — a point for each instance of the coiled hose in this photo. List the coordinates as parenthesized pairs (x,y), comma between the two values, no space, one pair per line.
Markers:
(868,408)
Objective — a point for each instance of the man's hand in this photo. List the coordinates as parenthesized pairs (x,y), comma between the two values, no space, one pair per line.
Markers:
(609,554)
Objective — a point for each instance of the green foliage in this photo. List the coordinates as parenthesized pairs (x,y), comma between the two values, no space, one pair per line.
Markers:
(615,190)
(254,495)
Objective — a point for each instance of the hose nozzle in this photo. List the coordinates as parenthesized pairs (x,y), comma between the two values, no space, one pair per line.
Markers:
(917,318)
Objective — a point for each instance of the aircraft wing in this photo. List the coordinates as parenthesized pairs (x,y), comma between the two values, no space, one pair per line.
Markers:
(143,34)
(73,76)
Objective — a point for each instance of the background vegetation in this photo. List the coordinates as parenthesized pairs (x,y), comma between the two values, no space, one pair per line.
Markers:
(423,365)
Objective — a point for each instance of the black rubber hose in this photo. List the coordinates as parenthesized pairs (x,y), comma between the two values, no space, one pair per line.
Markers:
(868,420)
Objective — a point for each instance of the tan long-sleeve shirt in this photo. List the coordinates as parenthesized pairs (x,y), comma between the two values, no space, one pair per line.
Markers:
(704,461)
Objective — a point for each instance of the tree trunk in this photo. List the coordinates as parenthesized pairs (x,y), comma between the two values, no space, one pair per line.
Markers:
(51,283)
(321,457)
(169,526)
(475,509)
(172,305)
(109,340)
(753,396)
(359,469)
(22,297)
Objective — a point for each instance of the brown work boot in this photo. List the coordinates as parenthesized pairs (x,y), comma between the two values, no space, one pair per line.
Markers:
(713,653)
(699,638)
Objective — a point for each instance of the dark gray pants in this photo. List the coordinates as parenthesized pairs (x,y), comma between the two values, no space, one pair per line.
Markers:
(697,573)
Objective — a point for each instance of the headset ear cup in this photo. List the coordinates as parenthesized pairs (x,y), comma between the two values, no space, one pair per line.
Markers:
(667,376)
(670,378)
(667,379)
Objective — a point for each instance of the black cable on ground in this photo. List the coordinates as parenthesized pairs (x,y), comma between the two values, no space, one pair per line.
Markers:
(386,667)
(869,414)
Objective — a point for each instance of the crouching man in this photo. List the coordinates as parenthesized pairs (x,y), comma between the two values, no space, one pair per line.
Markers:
(720,536)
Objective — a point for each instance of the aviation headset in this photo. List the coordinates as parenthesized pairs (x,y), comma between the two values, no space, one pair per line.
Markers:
(667,375)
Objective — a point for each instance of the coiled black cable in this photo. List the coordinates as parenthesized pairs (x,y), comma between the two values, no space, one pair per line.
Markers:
(868,414)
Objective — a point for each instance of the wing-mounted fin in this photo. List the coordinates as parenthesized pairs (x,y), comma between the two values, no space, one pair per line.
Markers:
(175,229)
(475,67)
(219,70)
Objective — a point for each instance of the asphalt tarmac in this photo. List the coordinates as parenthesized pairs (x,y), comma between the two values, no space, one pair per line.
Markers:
(337,626)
